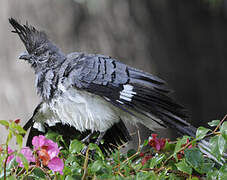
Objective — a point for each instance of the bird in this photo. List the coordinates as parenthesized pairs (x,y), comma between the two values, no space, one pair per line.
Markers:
(94,93)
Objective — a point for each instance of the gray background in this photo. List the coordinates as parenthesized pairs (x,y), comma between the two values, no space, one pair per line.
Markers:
(182,41)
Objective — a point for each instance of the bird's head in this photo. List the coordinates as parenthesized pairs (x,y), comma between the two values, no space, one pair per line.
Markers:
(41,53)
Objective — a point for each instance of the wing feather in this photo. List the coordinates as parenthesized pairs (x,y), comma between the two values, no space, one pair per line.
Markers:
(129,89)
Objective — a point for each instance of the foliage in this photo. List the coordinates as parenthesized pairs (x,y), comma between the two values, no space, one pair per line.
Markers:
(163,159)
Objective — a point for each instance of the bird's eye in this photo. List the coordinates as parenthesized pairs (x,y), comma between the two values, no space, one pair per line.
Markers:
(43,57)
(35,53)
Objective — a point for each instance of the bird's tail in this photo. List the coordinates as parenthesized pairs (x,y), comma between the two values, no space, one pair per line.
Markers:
(203,145)
(152,101)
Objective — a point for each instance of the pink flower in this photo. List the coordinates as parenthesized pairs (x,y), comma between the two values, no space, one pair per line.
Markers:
(52,148)
(10,151)
(38,141)
(27,152)
(156,143)
(48,151)
(56,164)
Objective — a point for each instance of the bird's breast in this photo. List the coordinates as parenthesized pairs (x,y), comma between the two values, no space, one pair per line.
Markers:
(83,110)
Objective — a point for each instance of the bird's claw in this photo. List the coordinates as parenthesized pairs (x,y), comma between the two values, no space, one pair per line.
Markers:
(84,150)
(91,152)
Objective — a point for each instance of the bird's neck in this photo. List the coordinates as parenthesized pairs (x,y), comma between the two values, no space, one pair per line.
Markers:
(46,82)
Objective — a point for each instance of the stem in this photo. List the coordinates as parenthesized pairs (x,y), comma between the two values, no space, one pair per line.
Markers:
(85,164)
(47,174)
(30,170)
(55,176)
(6,161)
(160,169)
(23,170)
(183,148)
(220,123)
(138,151)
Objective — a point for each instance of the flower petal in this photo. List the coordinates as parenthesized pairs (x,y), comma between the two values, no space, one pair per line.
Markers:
(38,141)
(27,152)
(56,164)
(11,156)
(52,148)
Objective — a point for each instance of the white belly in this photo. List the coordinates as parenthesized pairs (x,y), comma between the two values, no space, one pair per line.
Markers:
(80,109)
(86,111)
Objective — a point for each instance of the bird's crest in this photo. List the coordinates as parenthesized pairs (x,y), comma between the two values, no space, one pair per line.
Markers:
(31,37)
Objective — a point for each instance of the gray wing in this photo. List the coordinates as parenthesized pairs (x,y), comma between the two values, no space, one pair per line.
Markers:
(127,88)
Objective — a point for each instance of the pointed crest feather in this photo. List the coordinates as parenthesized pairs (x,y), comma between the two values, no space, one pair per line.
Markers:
(31,37)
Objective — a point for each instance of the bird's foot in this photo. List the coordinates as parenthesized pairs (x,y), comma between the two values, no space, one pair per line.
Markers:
(91,152)
(88,137)
(84,150)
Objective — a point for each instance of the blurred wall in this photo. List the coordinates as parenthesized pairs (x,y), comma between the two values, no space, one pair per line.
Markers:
(182,41)
(91,26)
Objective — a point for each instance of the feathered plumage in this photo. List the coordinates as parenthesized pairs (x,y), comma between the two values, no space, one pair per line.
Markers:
(87,92)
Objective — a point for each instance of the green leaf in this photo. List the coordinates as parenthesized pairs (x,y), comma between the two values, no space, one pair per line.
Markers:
(201,132)
(19,140)
(97,150)
(221,144)
(70,159)
(131,152)
(180,142)
(205,168)
(156,160)
(184,167)
(76,168)
(106,176)
(2,158)
(24,160)
(218,145)
(76,146)
(174,177)
(96,166)
(145,143)
(136,166)
(18,128)
(69,178)
(4,123)
(9,137)
(52,135)
(169,146)
(223,130)
(12,164)
(214,146)
(194,157)
(146,176)
(194,178)
(11,178)
(127,170)
(214,123)
(213,174)
(223,172)
(38,173)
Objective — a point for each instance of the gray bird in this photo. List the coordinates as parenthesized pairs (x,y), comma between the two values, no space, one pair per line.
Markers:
(94,92)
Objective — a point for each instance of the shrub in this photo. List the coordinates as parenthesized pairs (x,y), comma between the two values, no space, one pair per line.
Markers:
(164,159)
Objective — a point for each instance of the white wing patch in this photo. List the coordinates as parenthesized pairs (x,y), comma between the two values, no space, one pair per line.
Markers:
(39,127)
(86,111)
(127,93)
(120,101)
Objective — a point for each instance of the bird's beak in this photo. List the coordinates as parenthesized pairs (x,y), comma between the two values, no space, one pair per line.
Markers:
(24,56)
